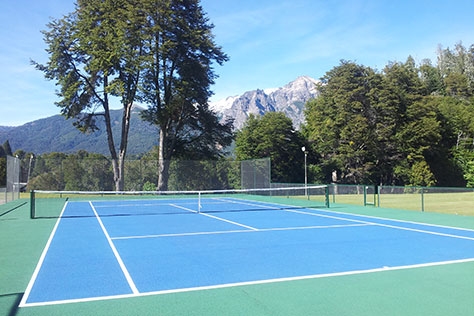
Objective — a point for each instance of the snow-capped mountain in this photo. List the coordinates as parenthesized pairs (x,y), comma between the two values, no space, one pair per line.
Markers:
(289,99)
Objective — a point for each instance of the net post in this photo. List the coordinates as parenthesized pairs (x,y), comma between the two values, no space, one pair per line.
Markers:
(32,204)
(326,196)
(199,202)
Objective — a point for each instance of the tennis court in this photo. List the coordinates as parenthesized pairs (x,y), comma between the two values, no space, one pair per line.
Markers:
(238,254)
(134,248)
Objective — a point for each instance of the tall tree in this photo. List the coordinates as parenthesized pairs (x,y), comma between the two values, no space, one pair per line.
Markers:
(431,78)
(95,54)
(375,128)
(340,123)
(273,135)
(456,66)
(401,86)
(176,83)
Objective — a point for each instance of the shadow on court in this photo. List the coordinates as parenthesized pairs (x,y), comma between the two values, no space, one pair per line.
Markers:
(13,300)
(12,209)
(184,212)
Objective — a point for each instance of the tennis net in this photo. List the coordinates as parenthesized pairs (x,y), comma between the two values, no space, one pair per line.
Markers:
(50,204)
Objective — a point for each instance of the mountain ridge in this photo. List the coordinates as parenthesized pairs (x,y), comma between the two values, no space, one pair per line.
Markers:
(289,99)
(57,134)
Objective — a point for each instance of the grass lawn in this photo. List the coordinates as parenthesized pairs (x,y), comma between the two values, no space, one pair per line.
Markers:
(447,203)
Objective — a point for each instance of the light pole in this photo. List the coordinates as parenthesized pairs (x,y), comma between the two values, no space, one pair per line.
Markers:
(29,169)
(305,171)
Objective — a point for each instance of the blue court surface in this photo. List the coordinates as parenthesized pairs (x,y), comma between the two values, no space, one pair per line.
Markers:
(117,249)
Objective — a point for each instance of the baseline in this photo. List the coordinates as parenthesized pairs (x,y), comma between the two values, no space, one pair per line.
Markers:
(76,262)
(250,283)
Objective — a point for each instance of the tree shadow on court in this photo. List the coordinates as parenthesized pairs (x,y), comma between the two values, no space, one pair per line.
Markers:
(13,300)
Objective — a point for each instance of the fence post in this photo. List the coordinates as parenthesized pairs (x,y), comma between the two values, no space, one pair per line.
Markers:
(365,196)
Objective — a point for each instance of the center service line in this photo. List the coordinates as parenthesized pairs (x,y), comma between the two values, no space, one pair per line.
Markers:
(117,255)
(216,217)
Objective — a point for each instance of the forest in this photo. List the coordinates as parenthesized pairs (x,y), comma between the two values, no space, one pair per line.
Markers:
(408,125)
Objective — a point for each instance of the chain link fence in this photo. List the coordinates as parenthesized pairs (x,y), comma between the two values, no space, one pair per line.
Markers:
(69,173)
(13,186)
(256,173)
(451,200)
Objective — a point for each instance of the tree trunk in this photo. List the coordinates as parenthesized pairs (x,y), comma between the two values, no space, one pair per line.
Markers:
(117,161)
(119,180)
(110,139)
(163,163)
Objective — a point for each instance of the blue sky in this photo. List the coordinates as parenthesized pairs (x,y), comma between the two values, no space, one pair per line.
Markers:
(269,42)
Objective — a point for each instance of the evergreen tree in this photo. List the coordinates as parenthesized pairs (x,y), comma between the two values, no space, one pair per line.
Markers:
(274,136)
(341,122)
(176,83)
(386,127)
(94,55)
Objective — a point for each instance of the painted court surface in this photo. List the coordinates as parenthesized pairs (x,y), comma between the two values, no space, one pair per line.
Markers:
(114,251)
(345,260)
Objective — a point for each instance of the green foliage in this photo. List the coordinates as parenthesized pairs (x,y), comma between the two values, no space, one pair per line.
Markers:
(158,52)
(148,186)
(431,78)
(202,174)
(175,83)
(469,173)
(465,159)
(273,135)
(456,66)
(74,172)
(341,122)
(95,53)
(421,175)
(398,126)
(84,171)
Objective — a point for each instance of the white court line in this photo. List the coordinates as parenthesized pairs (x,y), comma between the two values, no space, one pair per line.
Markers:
(264,206)
(216,217)
(117,255)
(257,282)
(220,232)
(294,211)
(183,208)
(397,220)
(390,226)
(41,260)
(228,221)
(373,223)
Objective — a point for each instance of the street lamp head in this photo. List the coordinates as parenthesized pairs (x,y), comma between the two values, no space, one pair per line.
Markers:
(303,148)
